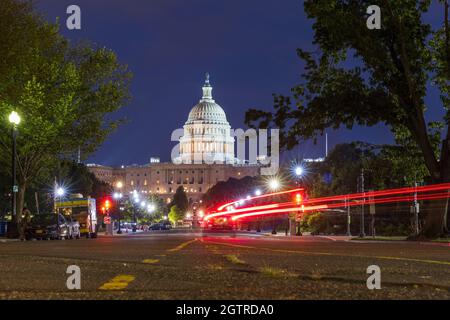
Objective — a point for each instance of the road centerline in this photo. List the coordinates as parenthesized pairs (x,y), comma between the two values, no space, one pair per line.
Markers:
(119,282)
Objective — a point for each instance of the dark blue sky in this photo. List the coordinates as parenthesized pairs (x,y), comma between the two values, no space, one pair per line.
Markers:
(248,47)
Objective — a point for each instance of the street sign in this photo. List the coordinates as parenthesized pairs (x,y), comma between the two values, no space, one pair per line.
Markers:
(107,220)
(15,189)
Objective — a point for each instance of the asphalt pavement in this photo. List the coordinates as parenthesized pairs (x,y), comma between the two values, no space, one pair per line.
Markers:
(196,265)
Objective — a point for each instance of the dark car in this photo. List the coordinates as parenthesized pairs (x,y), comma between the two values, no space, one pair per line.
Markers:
(163,225)
(45,226)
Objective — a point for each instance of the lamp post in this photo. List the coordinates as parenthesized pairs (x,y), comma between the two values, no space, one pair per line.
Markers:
(298,173)
(14,119)
(117,196)
(274,185)
(136,202)
(362,233)
(59,193)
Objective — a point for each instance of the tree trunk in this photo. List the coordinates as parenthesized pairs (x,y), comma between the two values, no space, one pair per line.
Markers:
(435,222)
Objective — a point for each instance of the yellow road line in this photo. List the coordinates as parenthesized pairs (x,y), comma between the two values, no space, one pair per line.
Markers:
(182,246)
(446,263)
(150,261)
(118,283)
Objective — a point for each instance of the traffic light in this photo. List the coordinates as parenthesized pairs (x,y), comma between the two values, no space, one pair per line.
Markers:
(107,204)
(298,198)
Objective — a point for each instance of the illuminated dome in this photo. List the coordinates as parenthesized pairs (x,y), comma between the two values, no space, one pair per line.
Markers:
(207,110)
(207,133)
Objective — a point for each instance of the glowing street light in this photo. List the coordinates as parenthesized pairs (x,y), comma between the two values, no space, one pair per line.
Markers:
(117,195)
(258,192)
(119,185)
(60,192)
(298,170)
(14,118)
(274,184)
(151,208)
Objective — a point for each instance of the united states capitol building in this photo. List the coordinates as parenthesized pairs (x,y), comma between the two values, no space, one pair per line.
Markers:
(205,157)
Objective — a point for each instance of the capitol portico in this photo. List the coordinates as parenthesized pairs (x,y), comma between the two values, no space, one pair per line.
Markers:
(206,157)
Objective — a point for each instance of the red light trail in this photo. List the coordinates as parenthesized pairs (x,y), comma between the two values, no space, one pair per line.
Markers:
(259,197)
(408,194)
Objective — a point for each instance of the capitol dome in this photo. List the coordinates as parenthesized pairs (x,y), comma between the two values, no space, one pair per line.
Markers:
(207,110)
(207,133)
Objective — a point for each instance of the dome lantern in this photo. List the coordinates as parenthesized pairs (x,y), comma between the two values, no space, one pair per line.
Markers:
(207,90)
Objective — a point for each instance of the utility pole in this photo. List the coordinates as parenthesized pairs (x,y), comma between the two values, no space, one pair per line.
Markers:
(349,233)
(416,209)
(362,233)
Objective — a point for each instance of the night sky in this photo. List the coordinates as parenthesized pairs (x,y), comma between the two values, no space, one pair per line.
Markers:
(248,47)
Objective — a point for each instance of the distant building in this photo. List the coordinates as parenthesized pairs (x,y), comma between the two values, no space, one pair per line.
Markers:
(206,157)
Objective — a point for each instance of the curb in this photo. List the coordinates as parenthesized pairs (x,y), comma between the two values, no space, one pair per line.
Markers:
(9,240)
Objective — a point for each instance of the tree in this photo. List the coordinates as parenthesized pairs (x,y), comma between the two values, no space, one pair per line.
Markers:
(230,190)
(383,167)
(175,214)
(365,77)
(78,179)
(63,93)
(180,200)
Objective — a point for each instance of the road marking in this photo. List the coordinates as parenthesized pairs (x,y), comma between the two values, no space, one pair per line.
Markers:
(118,283)
(182,246)
(446,263)
(150,261)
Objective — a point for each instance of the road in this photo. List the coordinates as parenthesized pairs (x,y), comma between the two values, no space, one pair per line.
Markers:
(192,265)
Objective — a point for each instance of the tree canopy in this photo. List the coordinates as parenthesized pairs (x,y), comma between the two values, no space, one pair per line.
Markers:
(63,92)
(358,76)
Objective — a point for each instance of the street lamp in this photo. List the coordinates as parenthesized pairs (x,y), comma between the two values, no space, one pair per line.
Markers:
(258,192)
(60,192)
(151,208)
(14,119)
(117,196)
(298,171)
(274,184)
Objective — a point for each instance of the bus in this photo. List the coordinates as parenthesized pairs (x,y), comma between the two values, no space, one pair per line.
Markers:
(83,210)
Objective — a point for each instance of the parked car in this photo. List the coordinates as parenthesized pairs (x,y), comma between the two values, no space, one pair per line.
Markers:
(162,225)
(75,230)
(48,226)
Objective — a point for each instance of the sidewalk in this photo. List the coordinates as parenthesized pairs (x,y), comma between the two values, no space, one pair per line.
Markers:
(305,234)
(124,233)
(6,240)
